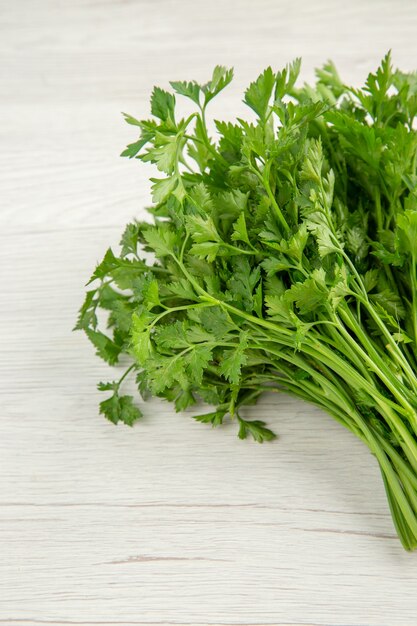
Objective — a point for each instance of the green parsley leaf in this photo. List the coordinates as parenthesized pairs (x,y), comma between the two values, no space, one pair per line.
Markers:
(162,104)
(255,428)
(118,408)
(259,93)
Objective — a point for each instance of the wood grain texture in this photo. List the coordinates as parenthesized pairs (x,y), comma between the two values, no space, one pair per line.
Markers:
(171,522)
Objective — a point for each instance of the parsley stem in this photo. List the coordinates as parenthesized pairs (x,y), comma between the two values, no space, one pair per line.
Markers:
(185,307)
(206,139)
(378,210)
(126,373)
(372,358)
(413,277)
(364,299)
(264,179)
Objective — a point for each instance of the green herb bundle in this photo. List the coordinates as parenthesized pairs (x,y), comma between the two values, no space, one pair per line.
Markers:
(283,258)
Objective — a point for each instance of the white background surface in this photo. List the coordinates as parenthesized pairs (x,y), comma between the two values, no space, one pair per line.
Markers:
(171,522)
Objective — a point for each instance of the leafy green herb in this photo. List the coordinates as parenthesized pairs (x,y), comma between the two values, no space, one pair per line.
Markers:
(284,260)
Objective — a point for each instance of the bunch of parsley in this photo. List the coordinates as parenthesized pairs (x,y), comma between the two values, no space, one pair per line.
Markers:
(282,259)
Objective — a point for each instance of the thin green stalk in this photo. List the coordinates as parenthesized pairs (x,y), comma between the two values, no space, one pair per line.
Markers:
(394,346)
(216,154)
(376,364)
(271,196)
(407,538)
(127,372)
(378,210)
(413,276)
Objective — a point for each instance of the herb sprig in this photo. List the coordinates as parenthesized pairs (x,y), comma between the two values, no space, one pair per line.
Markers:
(285,260)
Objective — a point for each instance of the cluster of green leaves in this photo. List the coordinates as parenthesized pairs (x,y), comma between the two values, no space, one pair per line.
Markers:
(281,257)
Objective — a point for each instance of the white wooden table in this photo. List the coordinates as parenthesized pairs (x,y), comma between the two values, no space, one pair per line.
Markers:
(171,522)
